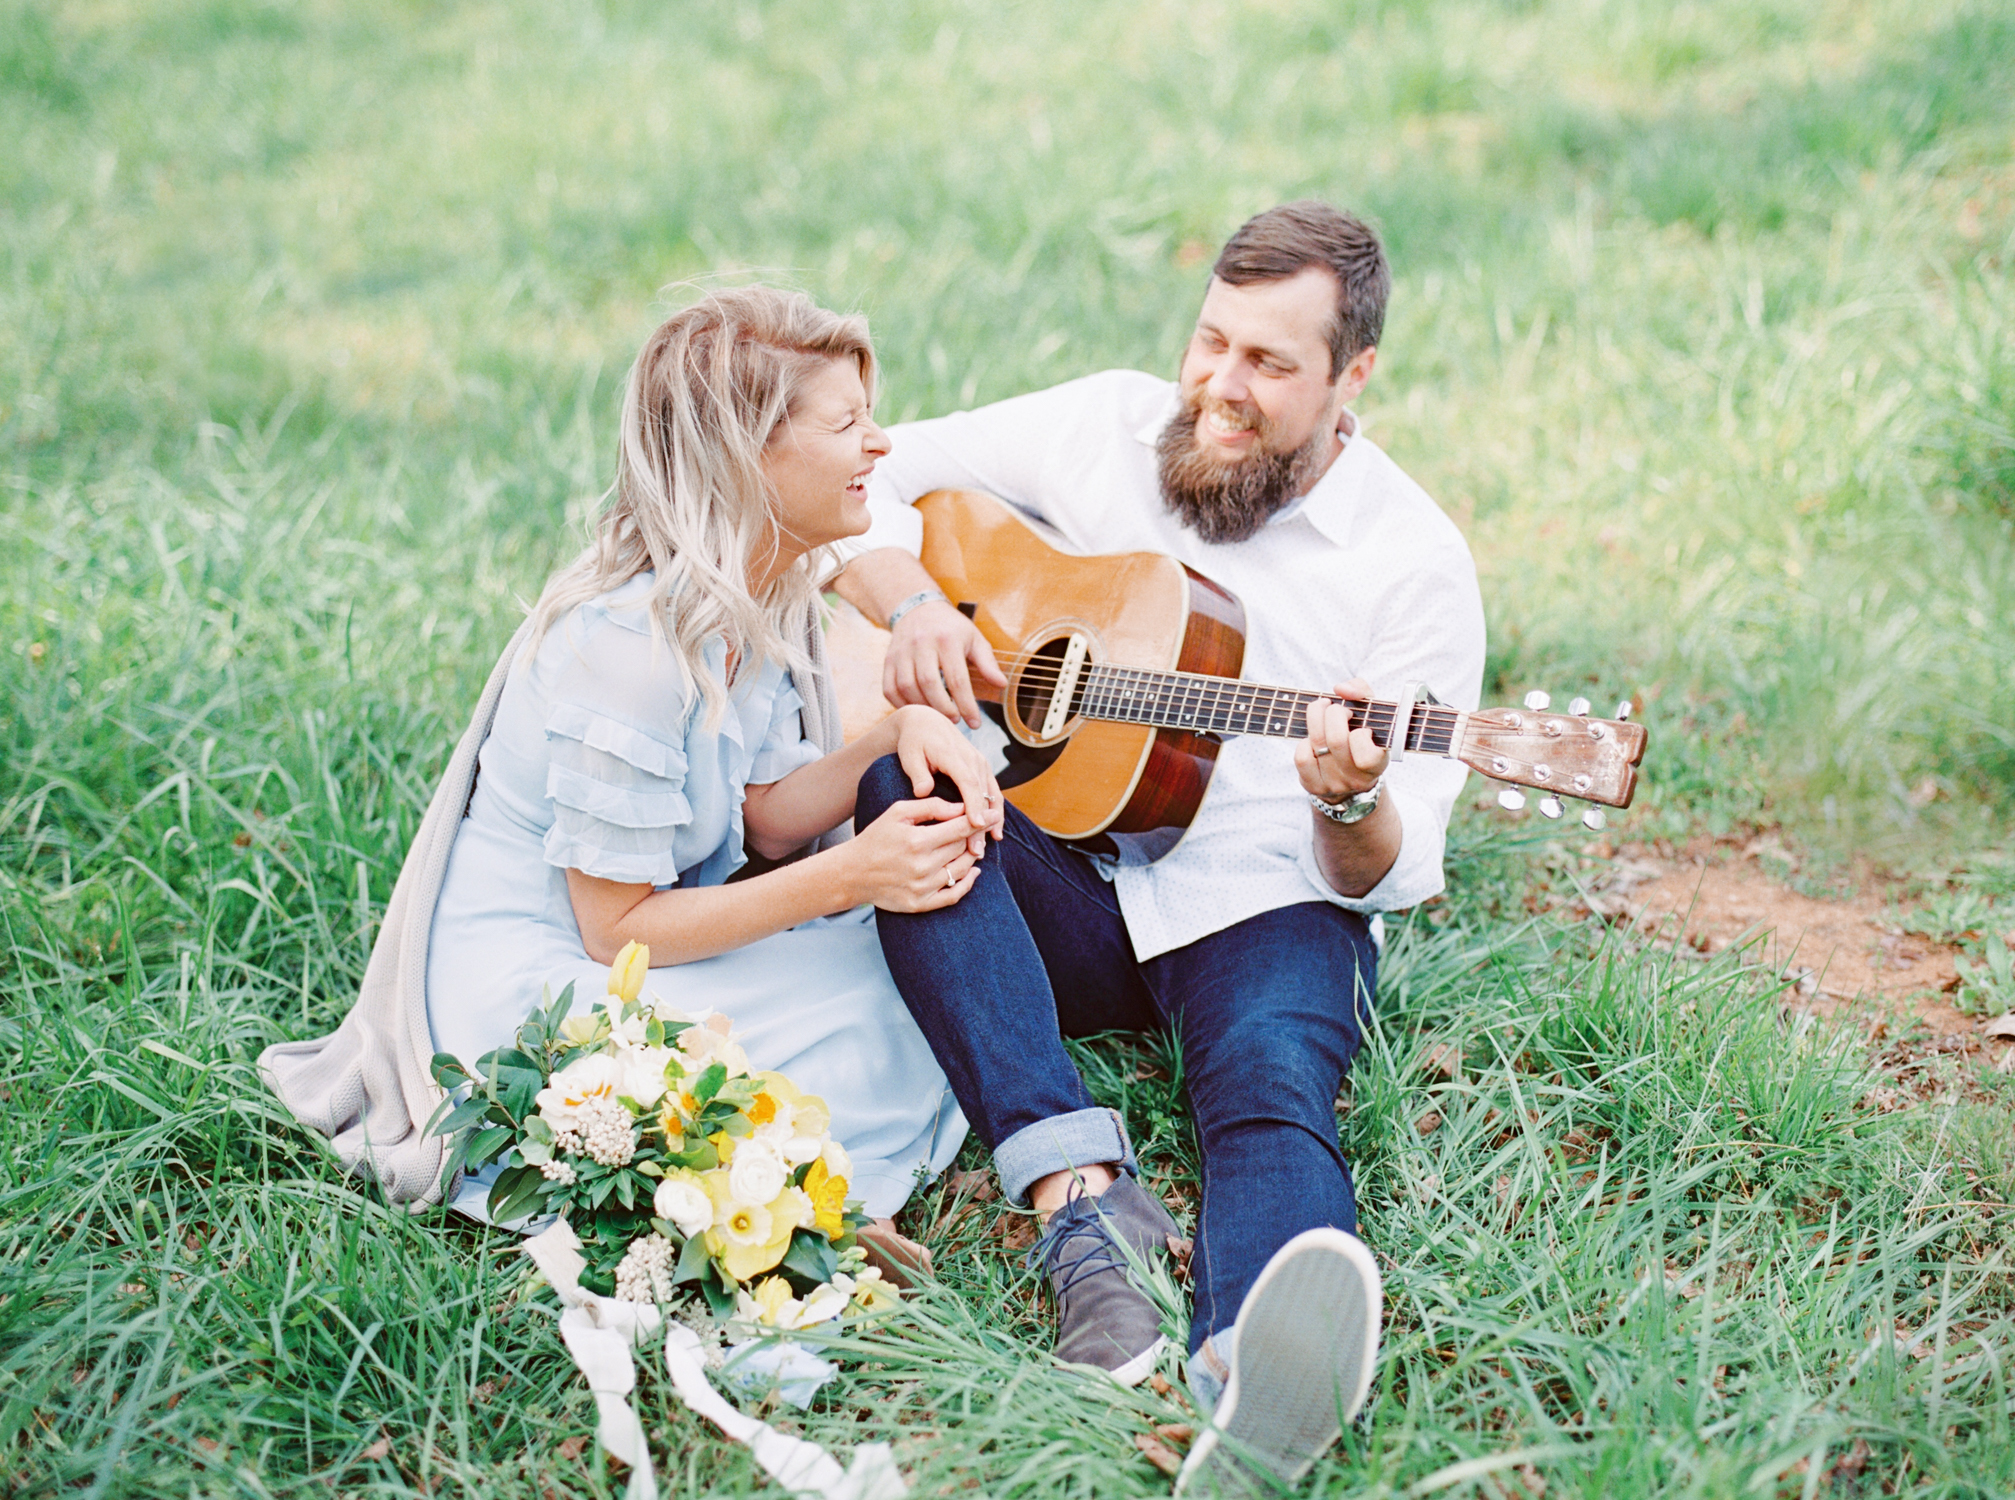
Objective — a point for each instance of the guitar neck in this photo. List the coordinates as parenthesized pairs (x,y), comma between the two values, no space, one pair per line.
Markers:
(1219,705)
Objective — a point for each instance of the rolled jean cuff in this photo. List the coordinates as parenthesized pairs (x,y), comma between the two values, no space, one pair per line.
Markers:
(1082,1138)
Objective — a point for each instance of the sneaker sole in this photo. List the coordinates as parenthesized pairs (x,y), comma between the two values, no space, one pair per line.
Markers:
(1297,1376)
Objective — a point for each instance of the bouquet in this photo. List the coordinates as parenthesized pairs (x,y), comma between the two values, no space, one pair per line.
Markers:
(679,1168)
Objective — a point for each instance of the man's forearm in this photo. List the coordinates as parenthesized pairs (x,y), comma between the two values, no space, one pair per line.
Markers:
(1355,857)
(876,582)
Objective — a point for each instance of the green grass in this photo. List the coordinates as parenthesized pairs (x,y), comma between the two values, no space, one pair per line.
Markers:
(311,324)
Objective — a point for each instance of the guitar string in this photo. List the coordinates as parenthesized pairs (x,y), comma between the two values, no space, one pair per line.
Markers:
(1218,702)
(1184,694)
(1043,677)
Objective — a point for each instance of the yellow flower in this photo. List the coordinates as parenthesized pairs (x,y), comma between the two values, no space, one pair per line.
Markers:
(772,1296)
(763,1109)
(873,1293)
(748,1238)
(829,1199)
(583,1029)
(809,1115)
(626,974)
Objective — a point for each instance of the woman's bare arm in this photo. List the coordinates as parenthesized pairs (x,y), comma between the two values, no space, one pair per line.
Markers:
(915,857)
(786,814)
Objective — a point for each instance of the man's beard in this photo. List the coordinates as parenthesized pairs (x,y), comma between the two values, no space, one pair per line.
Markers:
(1228,500)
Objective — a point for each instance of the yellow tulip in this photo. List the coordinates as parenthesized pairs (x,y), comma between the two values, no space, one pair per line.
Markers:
(626,974)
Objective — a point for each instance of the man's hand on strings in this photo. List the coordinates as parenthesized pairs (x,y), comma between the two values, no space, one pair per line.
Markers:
(933,656)
(1336,761)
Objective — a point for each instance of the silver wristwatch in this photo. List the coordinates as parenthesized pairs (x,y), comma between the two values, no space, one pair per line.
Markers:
(1352,809)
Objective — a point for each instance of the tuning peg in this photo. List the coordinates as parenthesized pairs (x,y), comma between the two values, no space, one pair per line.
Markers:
(1536,700)
(1578,707)
(1594,820)
(1511,799)
(1549,806)
(1622,710)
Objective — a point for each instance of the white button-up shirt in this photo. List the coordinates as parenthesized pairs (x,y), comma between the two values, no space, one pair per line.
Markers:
(1365,577)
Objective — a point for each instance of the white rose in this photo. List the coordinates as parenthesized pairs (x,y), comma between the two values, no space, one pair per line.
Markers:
(686,1204)
(756,1174)
(838,1163)
(644,1073)
(803,1148)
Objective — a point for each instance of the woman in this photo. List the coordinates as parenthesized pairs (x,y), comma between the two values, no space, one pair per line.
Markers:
(650,733)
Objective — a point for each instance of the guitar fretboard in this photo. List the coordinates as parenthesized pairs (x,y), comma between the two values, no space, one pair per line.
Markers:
(1220,705)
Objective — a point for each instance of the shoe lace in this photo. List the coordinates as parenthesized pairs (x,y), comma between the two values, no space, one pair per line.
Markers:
(1080,1219)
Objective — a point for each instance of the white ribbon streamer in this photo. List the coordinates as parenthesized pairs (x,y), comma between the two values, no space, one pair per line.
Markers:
(600,1332)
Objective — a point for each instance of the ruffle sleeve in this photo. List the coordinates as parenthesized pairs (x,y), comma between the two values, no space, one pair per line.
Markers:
(618,794)
(784,747)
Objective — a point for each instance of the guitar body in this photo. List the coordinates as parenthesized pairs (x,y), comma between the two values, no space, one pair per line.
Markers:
(1030,598)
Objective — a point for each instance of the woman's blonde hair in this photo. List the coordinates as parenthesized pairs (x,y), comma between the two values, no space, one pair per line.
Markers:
(706,394)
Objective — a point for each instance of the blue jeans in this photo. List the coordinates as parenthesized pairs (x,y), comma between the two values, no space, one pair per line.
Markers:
(1269,1013)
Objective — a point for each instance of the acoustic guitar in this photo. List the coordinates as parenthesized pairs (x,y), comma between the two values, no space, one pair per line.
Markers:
(1123,680)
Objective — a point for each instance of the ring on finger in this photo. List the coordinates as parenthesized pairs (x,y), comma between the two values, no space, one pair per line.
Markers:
(951,878)
(1321,750)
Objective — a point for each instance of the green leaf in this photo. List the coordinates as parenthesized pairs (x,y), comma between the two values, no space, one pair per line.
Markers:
(464,1115)
(448,1072)
(710,1082)
(810,1258)
(693,1260)
(517,1194)
(648,1167)
(697,1154)
(558,1010)
(718,1291)
(489,1143)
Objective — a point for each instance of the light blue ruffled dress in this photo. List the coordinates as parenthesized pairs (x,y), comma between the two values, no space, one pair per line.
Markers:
(600,760)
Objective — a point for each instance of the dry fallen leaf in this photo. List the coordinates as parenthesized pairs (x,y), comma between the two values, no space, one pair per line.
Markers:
(1157,1453)
(1446,1059)
(574,1447)
(2000,1026)
(975,1183)
(377,1450)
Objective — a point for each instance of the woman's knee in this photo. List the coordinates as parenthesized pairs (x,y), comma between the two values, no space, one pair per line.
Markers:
(882,785)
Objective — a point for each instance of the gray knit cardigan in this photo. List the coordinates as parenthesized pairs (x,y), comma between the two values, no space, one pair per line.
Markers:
(369,1085)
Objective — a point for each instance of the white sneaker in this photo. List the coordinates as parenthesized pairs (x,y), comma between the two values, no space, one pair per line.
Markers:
(1302,1354)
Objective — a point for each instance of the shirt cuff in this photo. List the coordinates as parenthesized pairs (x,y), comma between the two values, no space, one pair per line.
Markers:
(1416,870)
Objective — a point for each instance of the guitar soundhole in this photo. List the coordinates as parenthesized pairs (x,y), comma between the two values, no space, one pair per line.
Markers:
(1037,685)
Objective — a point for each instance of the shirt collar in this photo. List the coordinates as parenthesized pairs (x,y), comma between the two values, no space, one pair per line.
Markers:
(1329,503)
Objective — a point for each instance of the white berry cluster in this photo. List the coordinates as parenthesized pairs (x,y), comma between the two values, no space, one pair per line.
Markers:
(608,1132)
(557,1171)
(645,1272)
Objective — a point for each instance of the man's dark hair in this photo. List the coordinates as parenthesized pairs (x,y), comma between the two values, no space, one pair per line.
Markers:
(1282,241)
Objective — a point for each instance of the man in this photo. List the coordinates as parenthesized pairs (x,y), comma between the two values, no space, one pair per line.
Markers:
(1255,937)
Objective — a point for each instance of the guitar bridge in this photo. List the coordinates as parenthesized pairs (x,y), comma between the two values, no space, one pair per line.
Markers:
(1068,671)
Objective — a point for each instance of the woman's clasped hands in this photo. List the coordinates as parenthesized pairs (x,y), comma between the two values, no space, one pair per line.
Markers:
(925,853)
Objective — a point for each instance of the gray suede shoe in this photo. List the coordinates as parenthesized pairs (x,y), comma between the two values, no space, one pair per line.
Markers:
(1301,1359)
(1104,1318)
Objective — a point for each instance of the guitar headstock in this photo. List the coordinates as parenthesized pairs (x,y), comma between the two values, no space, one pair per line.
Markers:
(1562,755)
